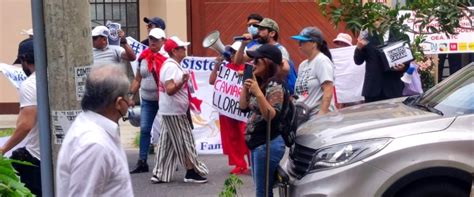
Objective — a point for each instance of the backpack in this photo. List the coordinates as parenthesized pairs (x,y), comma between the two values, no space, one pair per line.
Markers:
(292,115)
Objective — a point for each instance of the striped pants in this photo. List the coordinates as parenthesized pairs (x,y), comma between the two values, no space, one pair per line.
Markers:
(176,144)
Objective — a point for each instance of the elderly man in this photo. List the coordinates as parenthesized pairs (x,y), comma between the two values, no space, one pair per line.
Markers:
(105,53)
(91,161)
(27,124)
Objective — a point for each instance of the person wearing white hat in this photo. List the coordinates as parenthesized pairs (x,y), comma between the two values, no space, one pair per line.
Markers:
(146,79)
(342,40)
(176,138)
(104,53)
(232,130)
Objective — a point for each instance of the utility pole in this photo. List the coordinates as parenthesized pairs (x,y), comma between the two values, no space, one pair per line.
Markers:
(63,46)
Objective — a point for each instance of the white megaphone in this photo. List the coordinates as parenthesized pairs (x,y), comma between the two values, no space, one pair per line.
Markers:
(213,41)
(408,75)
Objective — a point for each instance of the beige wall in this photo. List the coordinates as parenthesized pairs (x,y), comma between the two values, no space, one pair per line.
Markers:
(173,12)
(15,16)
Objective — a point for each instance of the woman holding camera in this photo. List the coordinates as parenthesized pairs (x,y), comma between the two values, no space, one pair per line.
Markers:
(232,130)
(263,95)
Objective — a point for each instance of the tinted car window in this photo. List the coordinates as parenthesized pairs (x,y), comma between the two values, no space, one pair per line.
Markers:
(455,96)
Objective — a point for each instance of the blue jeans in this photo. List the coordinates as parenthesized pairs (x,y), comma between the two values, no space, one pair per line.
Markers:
(147,116)
(277,149)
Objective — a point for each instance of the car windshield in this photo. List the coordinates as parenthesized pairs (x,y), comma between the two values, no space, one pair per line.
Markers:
(453,96)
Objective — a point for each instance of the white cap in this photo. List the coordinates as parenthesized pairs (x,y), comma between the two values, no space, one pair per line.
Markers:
(27,32)
(157,33)
(179,42)
(345,38)
(101,31)
(236,45)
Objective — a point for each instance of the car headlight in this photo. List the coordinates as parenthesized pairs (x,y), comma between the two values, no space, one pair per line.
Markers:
(343,154)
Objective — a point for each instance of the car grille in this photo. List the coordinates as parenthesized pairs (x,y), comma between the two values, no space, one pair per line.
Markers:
(300,160)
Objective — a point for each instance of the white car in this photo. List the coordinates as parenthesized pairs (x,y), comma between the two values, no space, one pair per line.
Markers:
(419,146)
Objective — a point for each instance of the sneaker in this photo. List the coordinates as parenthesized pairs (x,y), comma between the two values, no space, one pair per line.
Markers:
(141,166)
(193,177)
(155,180)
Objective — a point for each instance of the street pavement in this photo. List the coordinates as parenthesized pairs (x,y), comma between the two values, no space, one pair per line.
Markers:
(218,172)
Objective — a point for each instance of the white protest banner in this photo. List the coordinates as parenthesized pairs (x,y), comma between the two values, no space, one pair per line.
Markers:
(137,48)
(349,77)
(206,123)
(13,73)
(227,93)
(463,42)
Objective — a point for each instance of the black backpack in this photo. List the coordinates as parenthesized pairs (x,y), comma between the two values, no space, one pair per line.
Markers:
(292,115)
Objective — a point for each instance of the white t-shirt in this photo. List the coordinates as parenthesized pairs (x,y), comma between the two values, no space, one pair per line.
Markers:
(310,77)
(110,54)
(91,161)
(28,98)
(176,104)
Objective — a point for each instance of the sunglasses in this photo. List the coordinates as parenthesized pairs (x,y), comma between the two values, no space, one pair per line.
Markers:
(151,25)
(253,25)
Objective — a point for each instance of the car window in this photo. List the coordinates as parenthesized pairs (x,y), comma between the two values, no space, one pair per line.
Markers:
(455,96)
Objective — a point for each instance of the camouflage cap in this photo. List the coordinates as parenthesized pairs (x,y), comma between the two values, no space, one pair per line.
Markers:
(269,23)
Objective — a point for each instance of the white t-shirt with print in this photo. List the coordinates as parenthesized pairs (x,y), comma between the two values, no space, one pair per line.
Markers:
(176,104)
(311,74)
(27,99)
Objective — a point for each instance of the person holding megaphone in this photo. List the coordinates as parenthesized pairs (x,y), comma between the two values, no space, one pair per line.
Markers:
(232,130)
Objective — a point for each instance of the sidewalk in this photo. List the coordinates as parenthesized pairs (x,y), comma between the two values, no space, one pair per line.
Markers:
(127,131)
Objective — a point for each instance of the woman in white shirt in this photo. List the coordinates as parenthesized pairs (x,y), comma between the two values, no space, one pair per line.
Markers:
(315,83)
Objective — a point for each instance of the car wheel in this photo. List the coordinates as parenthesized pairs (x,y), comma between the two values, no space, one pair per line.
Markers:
(435,188)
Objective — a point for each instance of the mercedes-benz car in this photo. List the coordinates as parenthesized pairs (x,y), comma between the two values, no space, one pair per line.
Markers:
(415,146)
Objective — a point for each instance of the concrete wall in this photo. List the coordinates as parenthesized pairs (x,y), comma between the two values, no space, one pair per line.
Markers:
(15,16)
(173,12)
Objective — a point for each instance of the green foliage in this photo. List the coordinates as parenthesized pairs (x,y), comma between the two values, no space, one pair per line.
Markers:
(231,186)
(6,132)
(358,16)
(10,184)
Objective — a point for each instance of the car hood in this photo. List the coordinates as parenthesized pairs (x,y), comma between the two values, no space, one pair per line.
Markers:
(390,118)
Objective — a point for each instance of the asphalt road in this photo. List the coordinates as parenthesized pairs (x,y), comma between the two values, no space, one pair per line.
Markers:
(218,172)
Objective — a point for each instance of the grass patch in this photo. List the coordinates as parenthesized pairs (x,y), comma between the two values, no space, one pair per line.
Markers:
(6,132)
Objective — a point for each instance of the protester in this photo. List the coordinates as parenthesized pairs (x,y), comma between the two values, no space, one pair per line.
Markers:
(342,40)
(28,32)
(176,139)
(150,62)
(315,83)
(268,33)
(104,53)
(349,78)
(151,23)
(380,82)
(27,125)
(252,21)
(232,130)
(263,96)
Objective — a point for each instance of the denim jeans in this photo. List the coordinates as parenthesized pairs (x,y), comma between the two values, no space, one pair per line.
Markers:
(147,115)
(277,149)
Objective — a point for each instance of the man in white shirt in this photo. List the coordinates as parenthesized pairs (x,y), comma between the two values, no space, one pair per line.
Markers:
(27,124)
(91,161)
(104,53)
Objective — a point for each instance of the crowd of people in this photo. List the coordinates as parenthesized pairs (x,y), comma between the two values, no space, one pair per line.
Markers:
(91,160)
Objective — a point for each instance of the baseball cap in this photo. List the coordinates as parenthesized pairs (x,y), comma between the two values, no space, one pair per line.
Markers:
(26,48)
(345,38)
(157,33)
(309,34)
(160,23)
(269,23)
(101,31)
(173,43)
(268,51)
